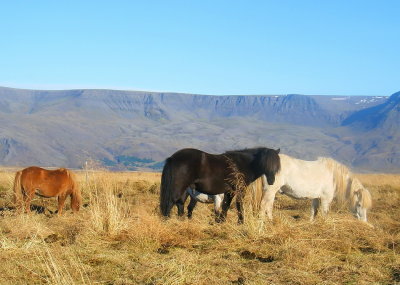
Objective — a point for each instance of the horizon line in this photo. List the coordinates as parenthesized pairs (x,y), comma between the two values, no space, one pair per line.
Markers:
(178,92)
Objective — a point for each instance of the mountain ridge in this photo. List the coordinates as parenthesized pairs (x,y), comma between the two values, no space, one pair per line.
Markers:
(67,127)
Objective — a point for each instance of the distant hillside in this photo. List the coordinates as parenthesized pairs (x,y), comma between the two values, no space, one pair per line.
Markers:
(377,134)
(138,130)
(384,116)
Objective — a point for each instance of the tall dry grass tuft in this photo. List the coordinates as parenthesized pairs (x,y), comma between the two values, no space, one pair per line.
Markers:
(62,269)
(254,192)
(6,189)
(108,214)
(25,227)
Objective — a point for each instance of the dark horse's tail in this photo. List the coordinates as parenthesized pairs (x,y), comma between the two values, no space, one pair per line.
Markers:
(166,201)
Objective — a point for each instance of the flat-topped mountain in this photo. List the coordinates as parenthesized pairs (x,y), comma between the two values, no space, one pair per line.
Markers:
(132,129)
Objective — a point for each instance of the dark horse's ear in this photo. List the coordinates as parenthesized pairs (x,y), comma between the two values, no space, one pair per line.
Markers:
(278,150)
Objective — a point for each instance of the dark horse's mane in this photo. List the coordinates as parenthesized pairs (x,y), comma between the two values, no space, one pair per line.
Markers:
(246,150)
(251,152)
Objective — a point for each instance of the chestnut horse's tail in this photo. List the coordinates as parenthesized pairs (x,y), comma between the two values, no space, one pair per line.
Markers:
(76,197)
(17,189)
(166,201)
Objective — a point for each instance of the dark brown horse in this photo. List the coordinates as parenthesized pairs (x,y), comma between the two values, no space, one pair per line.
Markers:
(229,173)
(59,183)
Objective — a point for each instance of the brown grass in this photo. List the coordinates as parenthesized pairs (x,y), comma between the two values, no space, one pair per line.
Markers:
(119,238)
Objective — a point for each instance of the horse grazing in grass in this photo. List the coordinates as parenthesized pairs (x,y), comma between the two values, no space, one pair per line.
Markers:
(321,181)
(229,173)
(59,183)
(196,196)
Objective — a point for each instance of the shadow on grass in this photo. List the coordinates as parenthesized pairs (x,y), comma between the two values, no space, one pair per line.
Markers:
(34,208)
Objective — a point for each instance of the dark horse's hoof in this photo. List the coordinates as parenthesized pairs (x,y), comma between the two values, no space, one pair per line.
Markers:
(220,219)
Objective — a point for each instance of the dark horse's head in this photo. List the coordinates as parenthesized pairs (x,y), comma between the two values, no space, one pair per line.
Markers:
(270,163)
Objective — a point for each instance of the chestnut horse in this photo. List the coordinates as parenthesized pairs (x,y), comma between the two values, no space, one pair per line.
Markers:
(58,183)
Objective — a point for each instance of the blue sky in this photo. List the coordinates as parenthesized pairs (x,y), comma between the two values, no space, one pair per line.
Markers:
(205,47)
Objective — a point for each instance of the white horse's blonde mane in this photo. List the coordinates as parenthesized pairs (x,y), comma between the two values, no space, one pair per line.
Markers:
(341,176)
(347,186)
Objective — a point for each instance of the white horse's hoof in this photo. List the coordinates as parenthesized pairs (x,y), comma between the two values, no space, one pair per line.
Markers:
(370,225)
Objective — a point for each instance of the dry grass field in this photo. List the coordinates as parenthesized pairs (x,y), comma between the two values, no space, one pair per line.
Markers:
(119,238)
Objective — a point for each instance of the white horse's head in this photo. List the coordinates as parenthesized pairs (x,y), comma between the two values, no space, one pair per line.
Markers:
(361,200)
(349,188)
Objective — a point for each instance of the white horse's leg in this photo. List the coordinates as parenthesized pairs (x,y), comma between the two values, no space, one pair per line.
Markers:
(268,197)
(359,211)
(217,203)
(361,214)
(364,214)
(261,213)
(267,202)
(314,208)
(325,205)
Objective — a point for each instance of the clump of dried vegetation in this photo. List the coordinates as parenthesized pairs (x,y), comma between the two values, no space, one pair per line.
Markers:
(118,237)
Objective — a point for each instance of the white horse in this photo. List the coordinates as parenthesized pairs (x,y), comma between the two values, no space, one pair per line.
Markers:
(321,181)
(196,196)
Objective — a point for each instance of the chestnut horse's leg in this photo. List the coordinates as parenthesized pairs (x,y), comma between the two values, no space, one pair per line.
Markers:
(61,201)
(74,206)
(28,196)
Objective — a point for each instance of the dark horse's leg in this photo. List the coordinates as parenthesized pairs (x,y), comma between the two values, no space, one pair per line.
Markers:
(180,203)
(239,206)
(191,206)
(181,208)
(225,206)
